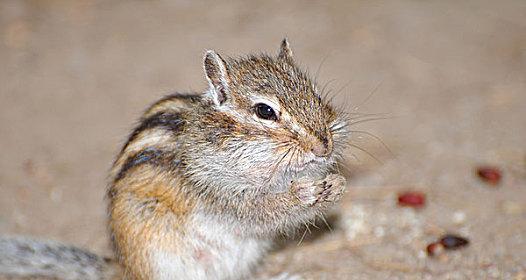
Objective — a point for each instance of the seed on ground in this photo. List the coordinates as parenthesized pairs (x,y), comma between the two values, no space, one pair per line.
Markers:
(413,199)
(489,174)
(453,242)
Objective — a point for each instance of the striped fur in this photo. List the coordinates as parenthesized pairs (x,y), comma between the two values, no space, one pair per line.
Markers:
(202,186)
(147,201)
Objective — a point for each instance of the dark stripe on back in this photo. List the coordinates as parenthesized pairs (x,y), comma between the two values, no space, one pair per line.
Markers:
(170,121)
(150,156)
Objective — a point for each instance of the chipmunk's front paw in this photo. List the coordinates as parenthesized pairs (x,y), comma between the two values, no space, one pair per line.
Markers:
(331,188)
(325,191)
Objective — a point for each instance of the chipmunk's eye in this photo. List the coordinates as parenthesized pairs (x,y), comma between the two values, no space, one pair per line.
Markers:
(265,112)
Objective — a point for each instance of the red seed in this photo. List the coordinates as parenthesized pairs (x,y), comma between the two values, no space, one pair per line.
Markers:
(412,199)
(434,249)
(489,174)
(453,242)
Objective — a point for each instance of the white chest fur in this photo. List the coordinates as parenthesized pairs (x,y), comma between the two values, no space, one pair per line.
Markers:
(210,250)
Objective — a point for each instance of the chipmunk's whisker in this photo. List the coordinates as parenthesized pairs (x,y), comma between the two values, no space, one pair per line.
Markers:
(345,166)
(275,167)
(362,115)
(313,224)
(289,163)
(367,120)
(281,145)
(324,92)
(374,137)
(325,221)
(316,75)
(340,90)
(304,234)
(375,89)
(365,151)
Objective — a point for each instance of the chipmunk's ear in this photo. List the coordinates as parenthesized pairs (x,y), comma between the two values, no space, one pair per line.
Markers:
(284,50)
(217,76)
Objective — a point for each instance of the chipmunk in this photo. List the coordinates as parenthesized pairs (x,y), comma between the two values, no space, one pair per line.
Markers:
(206,182)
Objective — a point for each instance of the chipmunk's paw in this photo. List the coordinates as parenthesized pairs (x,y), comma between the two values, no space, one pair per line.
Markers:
(330,189)
(325,191)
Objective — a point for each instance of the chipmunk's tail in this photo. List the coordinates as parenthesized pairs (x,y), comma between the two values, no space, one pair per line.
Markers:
(24,257)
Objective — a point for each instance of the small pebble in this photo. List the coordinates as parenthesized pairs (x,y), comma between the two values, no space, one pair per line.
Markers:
(489,174)
(453,242)
(459,217)
(412,199)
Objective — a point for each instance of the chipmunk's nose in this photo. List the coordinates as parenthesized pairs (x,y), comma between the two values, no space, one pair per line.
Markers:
(322,147)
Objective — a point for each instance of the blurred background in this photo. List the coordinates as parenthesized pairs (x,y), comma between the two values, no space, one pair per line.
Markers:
(448,79)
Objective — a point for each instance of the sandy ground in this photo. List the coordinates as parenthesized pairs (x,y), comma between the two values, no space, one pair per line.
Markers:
(449,76)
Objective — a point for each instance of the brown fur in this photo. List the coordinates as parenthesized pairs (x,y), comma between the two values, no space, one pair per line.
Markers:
(146,206)
(148,198)
(155,186)
(148,194)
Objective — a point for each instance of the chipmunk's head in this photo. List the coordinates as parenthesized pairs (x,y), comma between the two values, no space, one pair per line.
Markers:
(268,119)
